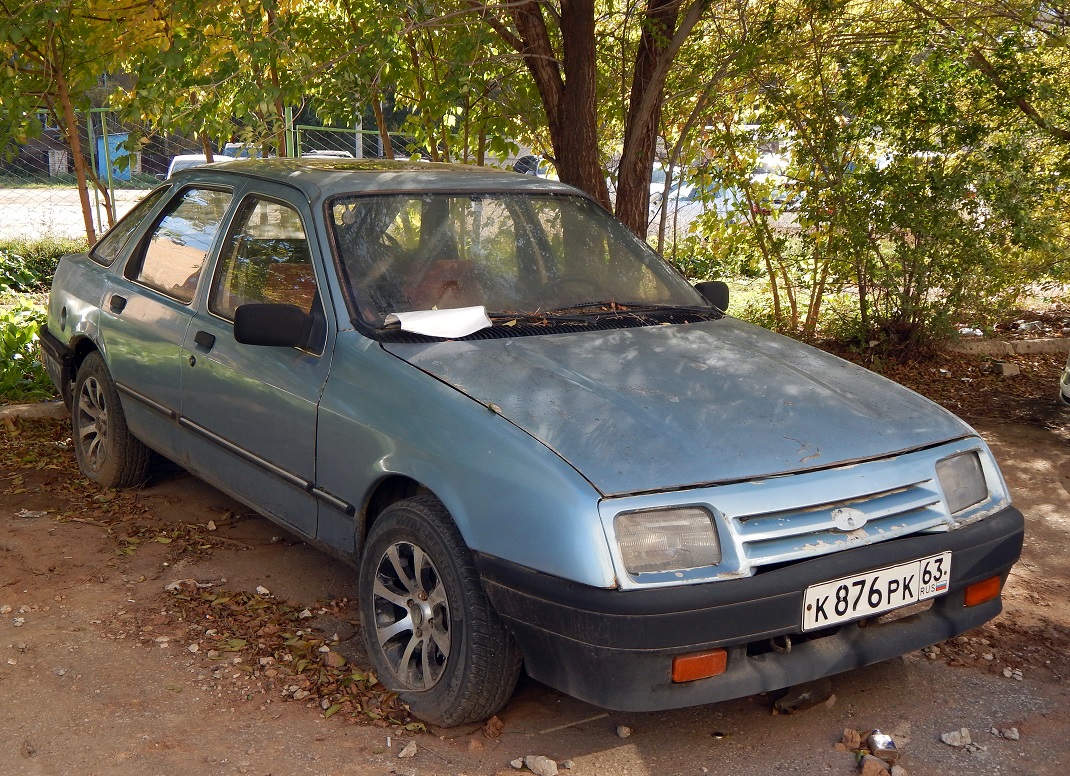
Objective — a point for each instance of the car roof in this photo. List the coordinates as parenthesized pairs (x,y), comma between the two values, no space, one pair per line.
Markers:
(324,177)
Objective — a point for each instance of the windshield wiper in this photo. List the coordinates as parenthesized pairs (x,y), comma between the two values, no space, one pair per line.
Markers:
(623,308)
(589,312)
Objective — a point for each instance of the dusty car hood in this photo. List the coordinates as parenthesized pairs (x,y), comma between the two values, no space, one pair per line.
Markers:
(665,407)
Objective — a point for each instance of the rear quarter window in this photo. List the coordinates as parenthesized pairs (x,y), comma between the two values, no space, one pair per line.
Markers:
(107,250)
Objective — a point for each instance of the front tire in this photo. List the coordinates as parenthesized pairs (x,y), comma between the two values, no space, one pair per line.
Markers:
(107,452)
(429,629)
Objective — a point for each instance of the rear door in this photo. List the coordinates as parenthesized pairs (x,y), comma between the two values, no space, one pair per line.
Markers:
(249,412)
(147,308)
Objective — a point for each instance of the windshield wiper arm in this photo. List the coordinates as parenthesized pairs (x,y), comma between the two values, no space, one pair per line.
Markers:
(630,307)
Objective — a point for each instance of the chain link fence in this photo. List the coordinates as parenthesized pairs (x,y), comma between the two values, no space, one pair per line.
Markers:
(357,143)
(39,194)
(38,189)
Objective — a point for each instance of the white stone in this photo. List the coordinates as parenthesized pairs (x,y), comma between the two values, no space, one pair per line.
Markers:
(540,766)
(956,738)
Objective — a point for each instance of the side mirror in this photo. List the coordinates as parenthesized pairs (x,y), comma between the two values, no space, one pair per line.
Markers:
(715,292)
(274,325)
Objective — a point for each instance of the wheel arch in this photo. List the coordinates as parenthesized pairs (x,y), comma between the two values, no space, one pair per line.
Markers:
(387,491)
(79,347)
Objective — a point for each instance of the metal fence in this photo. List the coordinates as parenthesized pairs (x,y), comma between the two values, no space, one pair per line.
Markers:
(38,190)
(358,143)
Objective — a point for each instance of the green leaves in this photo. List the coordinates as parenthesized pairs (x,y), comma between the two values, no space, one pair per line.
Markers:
(22,376)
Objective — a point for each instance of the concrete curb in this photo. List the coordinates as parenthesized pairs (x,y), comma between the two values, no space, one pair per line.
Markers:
(1051,345)
(45,409)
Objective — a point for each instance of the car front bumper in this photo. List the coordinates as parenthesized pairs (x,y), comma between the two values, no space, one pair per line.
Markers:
(615,648)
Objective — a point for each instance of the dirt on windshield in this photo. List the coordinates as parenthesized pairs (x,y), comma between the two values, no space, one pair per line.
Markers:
(169,630)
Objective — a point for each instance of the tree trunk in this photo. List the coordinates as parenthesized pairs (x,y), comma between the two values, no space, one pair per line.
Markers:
(569,98)
(640,136)
(70,129)
(380,123)
(575,137)
(421,97)
(273,74)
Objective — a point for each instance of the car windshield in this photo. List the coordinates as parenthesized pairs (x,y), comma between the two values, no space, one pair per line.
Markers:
(514,254)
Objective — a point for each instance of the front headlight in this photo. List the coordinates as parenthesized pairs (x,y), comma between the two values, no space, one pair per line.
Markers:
(667,539)
(962,480)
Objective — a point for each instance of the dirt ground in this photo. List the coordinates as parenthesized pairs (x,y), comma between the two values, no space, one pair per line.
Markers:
(103,671)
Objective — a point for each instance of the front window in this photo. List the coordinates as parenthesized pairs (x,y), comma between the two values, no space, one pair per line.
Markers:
(265,259)
(515,255)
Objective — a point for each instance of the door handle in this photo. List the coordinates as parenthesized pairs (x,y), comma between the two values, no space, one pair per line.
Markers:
(204,339)
(117,303)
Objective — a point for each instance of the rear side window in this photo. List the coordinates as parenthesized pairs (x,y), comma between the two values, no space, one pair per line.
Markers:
(179,243)
(111,244)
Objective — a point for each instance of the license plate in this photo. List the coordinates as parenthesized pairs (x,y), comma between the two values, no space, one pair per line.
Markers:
(874,592)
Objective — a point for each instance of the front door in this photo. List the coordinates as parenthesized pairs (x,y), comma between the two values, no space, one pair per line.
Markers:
(249,412)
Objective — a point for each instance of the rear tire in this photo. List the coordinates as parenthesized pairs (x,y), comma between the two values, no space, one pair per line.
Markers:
(107,452)
(429,629)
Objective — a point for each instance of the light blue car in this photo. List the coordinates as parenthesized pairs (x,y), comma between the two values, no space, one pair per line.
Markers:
(539,445)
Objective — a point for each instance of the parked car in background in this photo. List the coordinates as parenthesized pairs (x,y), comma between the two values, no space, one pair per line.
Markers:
(538,444)
(777,203)
(184,162)
(539,166)
(327,153)
(685,202)
(240,151)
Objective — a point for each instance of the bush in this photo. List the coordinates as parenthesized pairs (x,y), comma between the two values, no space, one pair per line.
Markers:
(27,266)
(22,376)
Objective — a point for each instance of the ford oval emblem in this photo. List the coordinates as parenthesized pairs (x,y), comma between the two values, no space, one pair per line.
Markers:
(848,519)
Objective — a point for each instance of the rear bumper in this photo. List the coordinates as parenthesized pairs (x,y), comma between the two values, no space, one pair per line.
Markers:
(615,649)
(57,359)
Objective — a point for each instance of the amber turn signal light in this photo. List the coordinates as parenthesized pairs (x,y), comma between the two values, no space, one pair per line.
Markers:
(979,592)
(699,665)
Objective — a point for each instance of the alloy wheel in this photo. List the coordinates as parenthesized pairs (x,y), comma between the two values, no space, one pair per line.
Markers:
(412,616)
(93,422)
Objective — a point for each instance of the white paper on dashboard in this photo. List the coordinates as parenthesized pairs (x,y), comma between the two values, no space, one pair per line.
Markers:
(452,322)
